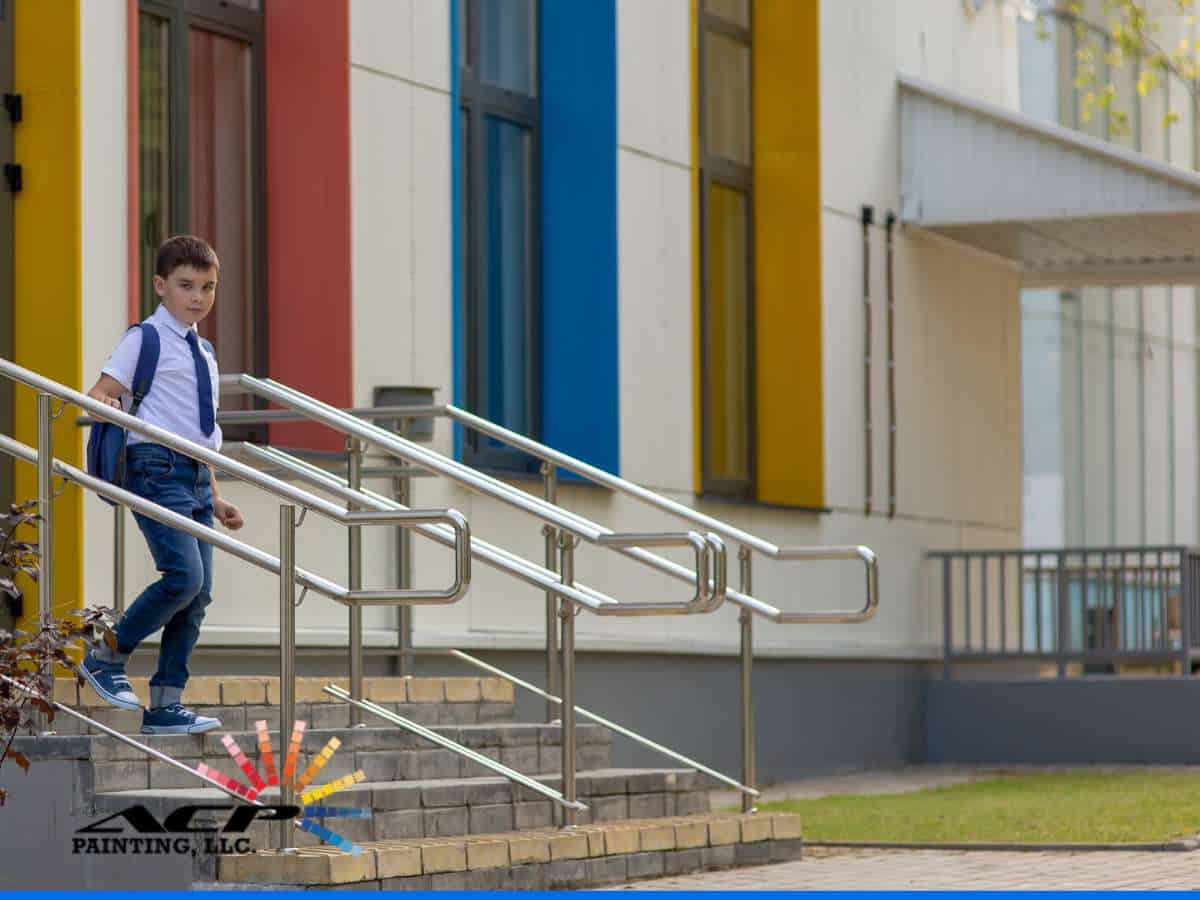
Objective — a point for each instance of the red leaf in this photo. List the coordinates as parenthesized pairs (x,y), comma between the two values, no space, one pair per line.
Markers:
(19,758)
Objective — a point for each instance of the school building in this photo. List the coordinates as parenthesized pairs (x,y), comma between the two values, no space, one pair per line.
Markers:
(835,272)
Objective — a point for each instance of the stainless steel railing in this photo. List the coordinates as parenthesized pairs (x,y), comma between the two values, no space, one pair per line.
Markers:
(560,523)
(333,484)
(748,544)
(49,390)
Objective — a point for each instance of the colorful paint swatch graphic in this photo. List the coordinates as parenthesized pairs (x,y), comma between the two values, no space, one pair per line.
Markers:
(265,753)
(330,837)
(320,793)
(337,812)
(289,765)
(226,782)
(243,763)
(318,763)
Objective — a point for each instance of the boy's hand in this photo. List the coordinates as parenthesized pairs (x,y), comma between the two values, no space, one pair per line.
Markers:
(227,514)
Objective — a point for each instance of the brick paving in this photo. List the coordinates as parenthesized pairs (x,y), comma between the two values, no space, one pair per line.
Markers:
(837,869)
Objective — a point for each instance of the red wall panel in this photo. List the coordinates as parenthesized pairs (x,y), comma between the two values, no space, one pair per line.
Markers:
(307,63)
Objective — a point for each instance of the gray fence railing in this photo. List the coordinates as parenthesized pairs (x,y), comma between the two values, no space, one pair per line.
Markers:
(1098,606)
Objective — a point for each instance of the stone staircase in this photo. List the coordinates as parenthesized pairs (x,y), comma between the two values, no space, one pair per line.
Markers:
(437,819)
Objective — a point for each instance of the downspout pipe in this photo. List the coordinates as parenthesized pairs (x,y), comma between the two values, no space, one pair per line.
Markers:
(868,219)
(889,227)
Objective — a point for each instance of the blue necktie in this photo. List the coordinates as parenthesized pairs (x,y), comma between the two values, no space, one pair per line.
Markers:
(203,384)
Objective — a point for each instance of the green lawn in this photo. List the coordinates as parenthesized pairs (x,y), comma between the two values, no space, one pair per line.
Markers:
(1113,807)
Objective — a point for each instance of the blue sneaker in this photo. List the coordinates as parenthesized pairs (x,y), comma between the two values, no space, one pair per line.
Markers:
(110,682)
(176,719)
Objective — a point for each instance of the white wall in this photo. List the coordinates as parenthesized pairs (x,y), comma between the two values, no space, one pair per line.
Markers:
(957,337)
(103,112)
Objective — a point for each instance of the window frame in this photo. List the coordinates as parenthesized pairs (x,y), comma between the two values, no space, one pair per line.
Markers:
(244,25)
(716,170)
(479,101)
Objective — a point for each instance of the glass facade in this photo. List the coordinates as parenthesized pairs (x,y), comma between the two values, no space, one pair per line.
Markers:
(1109,374)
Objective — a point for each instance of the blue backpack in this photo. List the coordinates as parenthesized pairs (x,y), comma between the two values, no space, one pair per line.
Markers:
(107,440)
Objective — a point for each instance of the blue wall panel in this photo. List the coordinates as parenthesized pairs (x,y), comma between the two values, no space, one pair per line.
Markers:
(580,412)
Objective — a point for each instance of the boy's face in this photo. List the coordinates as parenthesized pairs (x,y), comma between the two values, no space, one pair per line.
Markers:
(188,292)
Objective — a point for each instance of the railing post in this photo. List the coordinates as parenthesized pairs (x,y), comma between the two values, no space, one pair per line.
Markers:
(1187,591)
(550,492)
(287,651)
(1064,624)
(566,611)
(354,460)
(746,620)
(947,623)
(402,490)
(45,414)
(119,558)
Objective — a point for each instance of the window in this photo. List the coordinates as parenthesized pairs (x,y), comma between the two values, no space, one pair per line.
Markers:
(200,157)
(727,252)
(499,134)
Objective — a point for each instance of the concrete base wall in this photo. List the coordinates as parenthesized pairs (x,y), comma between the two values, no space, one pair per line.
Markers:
(812,716)
(44,809)
(1093,720)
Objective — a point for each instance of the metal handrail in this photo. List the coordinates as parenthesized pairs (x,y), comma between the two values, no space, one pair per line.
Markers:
(551,458)
(601,720)
(281,489)
(724,529)
(455,747)
(596,602)
(481,483)
(209,535)
(271,390)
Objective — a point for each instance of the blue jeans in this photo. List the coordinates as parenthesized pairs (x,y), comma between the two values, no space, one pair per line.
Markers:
(176,602)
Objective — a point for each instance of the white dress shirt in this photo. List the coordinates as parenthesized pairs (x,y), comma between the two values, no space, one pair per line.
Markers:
(172,402)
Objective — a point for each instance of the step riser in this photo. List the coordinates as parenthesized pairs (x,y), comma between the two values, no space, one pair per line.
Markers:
(316,715)
(587,857)
(383,754)
(264,690)
(492,818)
(575,874)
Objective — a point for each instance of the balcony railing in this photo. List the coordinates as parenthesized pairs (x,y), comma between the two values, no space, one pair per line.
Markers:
(1099,606)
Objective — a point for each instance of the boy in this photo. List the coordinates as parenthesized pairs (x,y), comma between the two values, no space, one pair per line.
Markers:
(182,399)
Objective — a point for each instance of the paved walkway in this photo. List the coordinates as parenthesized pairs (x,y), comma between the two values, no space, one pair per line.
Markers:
(829,869)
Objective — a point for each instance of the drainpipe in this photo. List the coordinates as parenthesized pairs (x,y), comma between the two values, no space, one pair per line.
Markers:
(868,219)
(889,225)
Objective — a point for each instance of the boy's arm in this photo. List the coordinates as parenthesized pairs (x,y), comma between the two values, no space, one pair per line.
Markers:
(108,390)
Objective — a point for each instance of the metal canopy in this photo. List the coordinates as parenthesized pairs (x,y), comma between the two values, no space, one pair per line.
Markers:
(1066,208)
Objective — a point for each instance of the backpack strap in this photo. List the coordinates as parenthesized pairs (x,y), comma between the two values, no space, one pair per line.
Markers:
(143,374)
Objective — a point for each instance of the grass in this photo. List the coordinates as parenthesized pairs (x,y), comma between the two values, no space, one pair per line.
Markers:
(1057,807)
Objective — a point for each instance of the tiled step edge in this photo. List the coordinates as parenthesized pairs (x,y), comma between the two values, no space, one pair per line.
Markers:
(590,855)
(258,690)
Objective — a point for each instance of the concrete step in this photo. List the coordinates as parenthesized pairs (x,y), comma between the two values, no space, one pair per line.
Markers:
(460,806)
(240,701)
(608,853)
(382,753)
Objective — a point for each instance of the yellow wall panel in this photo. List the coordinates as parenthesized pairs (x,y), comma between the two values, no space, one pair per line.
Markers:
(787,234)
(47,251)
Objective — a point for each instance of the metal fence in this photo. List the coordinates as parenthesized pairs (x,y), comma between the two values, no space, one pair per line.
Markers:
(1098,606)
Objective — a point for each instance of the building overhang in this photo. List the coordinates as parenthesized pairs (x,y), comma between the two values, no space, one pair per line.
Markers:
(1063,207)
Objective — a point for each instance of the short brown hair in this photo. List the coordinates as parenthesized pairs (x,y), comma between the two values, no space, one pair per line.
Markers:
(184,250)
